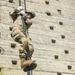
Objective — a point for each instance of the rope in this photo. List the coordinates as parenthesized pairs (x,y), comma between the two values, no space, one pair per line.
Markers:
(24,26)
(24,31)
(25,5)
(19,2)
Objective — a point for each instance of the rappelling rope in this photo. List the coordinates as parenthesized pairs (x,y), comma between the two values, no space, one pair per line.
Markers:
(23,22)
(24,31)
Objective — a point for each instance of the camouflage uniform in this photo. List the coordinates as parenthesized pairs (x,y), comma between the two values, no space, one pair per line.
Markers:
(18,35)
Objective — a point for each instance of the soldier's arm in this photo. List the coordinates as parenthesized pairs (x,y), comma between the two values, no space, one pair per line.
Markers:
(28,23)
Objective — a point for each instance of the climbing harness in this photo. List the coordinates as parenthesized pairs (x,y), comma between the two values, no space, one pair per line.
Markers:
(24,31)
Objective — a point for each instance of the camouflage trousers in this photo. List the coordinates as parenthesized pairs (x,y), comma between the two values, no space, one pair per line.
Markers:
(23,51)
(18,36)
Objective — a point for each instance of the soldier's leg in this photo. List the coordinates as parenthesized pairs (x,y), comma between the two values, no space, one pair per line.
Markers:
(24,41)
(16,38)
(31,48)
(18,35)
(24,62)
(15,27)
(15,32)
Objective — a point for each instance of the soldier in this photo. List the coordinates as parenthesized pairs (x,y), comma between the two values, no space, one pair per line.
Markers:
(18,35)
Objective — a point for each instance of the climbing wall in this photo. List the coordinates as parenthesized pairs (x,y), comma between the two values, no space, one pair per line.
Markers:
(52,34)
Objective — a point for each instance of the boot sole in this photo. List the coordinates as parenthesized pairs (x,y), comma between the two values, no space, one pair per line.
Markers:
(31,67)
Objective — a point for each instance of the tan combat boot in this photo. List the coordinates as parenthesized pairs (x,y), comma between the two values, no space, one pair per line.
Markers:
(28,65)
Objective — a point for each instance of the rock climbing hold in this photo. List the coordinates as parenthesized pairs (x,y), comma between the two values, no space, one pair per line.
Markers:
(13,45)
